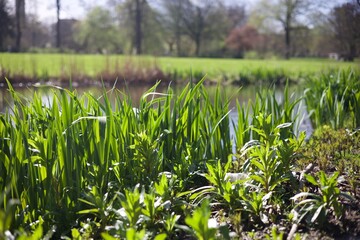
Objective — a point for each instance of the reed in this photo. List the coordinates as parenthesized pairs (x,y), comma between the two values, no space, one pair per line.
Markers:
(331,99)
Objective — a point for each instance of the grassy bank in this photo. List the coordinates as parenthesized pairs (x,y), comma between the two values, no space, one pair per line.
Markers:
(89,68)
(83,167)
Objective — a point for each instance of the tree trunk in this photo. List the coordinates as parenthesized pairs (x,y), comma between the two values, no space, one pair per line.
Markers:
(178,44)
(138,30)
(20,21)
(178,38)
(178,29)
(287,42)
(199,30)
(352,52)
(171,47)
(197,45)
(58,36)
(287,28)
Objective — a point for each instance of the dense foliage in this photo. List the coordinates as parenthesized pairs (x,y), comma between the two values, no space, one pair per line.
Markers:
(81,167)
(211,28)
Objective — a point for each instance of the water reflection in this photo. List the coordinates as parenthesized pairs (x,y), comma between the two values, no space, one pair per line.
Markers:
(134,92)
(47,93)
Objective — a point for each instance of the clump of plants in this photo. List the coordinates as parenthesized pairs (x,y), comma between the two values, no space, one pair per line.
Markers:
(334,99)
(333,150)
(83,167)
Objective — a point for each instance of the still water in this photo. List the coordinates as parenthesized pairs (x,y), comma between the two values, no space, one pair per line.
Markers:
(135,92)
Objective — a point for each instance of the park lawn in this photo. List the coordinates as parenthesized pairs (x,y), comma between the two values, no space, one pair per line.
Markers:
(235,66)
(66,65)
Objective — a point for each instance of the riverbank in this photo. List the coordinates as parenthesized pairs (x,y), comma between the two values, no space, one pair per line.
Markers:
(24,69)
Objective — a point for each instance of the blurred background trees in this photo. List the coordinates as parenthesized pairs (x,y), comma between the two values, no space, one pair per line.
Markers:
(97,33)
(19,22)
(208,28)
(345,23)
(6,24)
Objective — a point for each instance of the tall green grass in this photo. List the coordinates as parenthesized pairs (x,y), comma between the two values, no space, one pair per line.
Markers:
(52,155)
(333,99)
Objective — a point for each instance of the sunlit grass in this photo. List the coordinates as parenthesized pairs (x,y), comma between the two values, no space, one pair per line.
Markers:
(44,66)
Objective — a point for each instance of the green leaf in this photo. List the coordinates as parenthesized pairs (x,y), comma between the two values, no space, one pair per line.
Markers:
(284,125)
(86,211)
(317,213)
(258,164)
(107,236)
(301,195)
(161,236)
(348,196)
(75,234)
(201,191)
(199,221)
(132,234)
(258,178)
(311,180)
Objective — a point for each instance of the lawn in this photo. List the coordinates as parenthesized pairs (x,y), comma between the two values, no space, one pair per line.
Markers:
(46,66)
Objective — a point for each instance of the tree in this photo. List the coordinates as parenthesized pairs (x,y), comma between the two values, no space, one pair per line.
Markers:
(236,15)
(194,19)
(345,21)
(5,23)
(202,20)
(205,23)
(97,32)
(20,22)
(132,18)
(290,15)
(173,24)
(58,36)
(36,33)
(242,39)
(141,24)
(139,5)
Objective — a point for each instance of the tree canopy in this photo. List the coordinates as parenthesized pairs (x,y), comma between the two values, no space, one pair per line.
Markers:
(97,32)
(209,28)
(5,23)
(345,22)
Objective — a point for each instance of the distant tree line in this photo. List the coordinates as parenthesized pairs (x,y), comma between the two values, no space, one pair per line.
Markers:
(208,28)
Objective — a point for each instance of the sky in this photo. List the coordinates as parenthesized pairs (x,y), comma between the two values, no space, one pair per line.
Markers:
(46,9)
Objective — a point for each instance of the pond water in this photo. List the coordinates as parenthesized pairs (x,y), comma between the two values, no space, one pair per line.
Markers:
(136,91)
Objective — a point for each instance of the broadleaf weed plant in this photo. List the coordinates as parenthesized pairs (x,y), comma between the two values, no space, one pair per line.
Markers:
(314,207)
(270,161)
(200,222)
